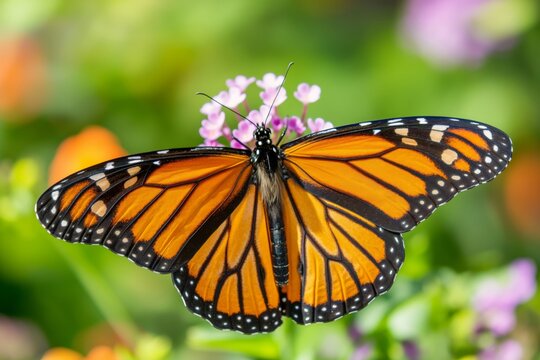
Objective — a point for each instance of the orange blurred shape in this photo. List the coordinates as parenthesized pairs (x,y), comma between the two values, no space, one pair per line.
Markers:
(22,78)
(91,146)
(97,353)
(522,193)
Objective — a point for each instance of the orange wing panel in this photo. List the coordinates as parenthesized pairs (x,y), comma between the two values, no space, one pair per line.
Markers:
(230,280)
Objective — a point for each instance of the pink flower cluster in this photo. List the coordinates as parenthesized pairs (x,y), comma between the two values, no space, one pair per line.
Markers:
(214,128)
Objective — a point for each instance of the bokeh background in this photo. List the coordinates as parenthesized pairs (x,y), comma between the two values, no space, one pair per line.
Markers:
(81,81)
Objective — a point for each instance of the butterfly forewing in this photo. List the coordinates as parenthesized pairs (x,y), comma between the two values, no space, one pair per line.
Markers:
(396,172)
(155,208)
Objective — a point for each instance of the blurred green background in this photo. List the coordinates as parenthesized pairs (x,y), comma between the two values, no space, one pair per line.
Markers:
(133,67)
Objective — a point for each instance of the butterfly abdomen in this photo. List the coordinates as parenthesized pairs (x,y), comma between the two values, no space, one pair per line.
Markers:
(270,192)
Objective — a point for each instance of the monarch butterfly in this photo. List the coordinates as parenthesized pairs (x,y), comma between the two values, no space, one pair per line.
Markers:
(310,230)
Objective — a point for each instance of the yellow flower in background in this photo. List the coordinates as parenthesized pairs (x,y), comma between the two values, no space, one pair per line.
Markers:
(91,146)
(22,78)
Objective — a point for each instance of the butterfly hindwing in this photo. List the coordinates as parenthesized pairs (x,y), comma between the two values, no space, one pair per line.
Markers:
(338,260)
(396,172)
(154,208)
(229,281)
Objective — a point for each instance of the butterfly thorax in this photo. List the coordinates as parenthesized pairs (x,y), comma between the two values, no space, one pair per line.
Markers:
(266,160)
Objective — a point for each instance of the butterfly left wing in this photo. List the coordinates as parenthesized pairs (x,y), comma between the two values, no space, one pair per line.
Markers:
(230,281)
(155,208)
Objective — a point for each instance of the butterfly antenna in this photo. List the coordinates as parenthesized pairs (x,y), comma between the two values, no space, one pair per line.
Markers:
(226,107)
(277,93)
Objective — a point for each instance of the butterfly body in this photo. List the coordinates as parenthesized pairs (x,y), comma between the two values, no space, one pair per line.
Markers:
(268,175)
(310,230)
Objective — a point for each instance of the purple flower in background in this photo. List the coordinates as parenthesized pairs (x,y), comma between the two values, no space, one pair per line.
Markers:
(318,124)
(244,133)
(362,352)
(495,301)
(240,82)
(214,143)
(269,94)
(411,350)
(210,108)
(307,94)
(447,31)
(270,80)
(507,350)
(295,125)
(214,127)
(231,98)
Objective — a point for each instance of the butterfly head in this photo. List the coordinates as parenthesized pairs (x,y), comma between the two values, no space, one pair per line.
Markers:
(262,136)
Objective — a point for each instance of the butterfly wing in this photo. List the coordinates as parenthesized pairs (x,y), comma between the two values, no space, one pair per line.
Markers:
(352,190)
(155,208)
(229,281)
(396,172)
(338,260)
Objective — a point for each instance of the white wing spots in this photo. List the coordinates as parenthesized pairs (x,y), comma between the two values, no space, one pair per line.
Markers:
(125,240)
(435,192)
(409,141)
(396,124)
(97,177)
(56,187)
(364,123)
(394,120)
(488,134)
(437,132)
(487,160)
(130,182)
(455,177)
(436,135)
(376,131)
(157,162)
(109,166)
(53,210)
(440,183)
(161,152)
(422,121)
(439,127)
(99,208)
(100,231)
(134,161)
(134,170)
(477,171)
(448,156)
(402,131)
(117,232)
(482,127)
(134,157)
(495,148)
(103,184)
(54,195)
(64,223)
(78,230)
